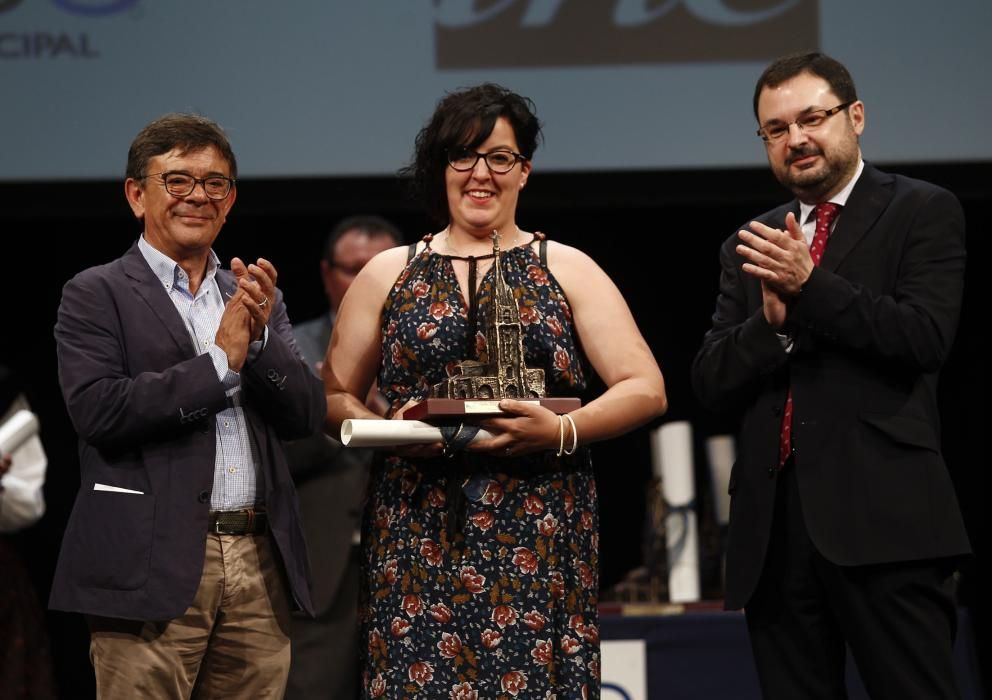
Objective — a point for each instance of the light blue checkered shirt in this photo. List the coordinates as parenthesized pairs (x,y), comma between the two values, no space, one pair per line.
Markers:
(236,463)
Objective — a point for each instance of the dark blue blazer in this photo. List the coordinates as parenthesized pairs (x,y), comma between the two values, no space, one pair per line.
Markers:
(143,404)
(873,325)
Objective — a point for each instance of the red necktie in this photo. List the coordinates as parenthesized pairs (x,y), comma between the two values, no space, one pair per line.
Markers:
(825,215)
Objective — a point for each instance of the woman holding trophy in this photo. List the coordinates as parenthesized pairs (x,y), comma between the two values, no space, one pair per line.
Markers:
(481,558)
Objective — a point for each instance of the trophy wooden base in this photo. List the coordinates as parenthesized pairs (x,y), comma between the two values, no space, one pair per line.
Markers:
(452,408)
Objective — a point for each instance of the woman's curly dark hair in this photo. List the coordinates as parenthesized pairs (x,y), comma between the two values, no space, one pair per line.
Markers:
(465,118)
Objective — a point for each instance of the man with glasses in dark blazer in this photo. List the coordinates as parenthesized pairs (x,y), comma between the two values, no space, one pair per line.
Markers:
(184,548)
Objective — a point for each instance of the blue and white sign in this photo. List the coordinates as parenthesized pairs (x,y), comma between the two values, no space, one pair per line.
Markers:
(625,675)
(341,88)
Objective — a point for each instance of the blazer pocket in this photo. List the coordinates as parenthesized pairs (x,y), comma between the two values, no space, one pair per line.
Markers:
(905,430)
(114,543)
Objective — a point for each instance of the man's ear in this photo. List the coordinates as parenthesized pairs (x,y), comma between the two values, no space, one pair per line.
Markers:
(135,195)
(857,116)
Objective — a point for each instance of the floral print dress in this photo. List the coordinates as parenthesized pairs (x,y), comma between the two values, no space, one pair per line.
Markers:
(504,605)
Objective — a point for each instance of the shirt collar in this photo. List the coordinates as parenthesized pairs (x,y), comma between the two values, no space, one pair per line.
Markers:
(806,210)
(168,271)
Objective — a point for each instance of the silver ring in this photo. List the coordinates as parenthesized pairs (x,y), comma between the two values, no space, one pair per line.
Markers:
(261,304)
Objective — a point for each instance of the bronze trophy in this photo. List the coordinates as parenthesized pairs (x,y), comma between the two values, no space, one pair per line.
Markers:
(477,387)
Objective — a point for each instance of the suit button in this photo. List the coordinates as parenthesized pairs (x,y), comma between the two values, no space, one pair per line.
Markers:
(272,374)
(203,497)
(771,472)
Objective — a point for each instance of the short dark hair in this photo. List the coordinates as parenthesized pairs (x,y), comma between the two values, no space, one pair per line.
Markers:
(372,226)
(820,65)
(186,132)
(466,118)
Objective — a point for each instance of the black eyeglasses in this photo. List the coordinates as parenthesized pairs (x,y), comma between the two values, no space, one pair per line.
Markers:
(499,161)
(180,184)
(810,121)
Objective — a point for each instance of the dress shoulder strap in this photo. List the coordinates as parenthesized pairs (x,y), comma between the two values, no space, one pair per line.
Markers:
(411,250)
(542,248)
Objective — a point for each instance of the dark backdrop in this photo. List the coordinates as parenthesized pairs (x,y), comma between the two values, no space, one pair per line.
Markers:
(655,233)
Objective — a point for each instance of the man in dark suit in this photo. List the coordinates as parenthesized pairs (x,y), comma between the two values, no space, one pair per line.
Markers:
(835,314)
(331,483)
(184,547)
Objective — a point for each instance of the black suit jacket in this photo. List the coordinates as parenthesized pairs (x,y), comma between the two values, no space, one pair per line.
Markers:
(872,327)
(143,404)
(330,480)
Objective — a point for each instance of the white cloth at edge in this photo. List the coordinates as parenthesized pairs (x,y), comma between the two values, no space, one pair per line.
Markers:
(22,502)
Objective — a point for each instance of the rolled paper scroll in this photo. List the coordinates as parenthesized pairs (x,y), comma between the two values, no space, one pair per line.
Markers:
(18,429)
(671,448)
(362,432)
(720,454)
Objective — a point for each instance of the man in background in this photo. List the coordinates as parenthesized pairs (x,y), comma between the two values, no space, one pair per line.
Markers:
(331,481)
(835,314)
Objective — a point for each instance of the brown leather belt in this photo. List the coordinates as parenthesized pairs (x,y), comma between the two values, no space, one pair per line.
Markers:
(238,522)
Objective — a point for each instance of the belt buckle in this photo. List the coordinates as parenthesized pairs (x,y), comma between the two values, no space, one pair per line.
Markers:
(219,527)
(244,521)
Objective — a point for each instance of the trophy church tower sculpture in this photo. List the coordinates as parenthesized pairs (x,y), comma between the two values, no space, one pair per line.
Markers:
(476,387)
(505,375)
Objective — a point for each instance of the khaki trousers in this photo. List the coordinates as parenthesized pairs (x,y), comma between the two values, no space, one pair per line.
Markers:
(232,642)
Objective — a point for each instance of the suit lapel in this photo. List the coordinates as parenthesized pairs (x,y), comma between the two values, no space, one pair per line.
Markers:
(869,198)
(796,211)
(226,283)
(147,287)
